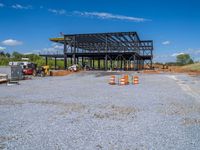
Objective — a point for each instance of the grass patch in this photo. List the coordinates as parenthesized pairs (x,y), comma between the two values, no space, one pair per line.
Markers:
(192,67)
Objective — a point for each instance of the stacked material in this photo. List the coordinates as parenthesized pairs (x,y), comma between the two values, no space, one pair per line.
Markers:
(59,73)
(3,78)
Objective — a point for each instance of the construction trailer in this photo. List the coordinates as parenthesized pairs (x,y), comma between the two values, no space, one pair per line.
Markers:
(118,50)
(16,73)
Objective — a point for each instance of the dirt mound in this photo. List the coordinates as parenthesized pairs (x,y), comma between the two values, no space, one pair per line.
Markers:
(60,73)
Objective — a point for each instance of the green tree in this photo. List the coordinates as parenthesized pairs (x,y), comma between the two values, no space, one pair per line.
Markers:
(17,55)
(8,55)
(184,59)
(2,53)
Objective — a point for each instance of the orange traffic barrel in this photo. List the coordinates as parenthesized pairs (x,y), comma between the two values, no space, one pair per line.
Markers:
(126,79)
(112,80)
(122,81)
(135,80)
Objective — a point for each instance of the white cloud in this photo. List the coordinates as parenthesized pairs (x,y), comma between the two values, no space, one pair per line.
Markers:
(28,53)
(105,15)
(55,48)
(58,47)
(162,56)
(56,11)
(176,54)
(193,51)
(166,42)
(11,42)
(197,51)
(2,5)
(50,50)
(2,48)
(100,15)
(18,6)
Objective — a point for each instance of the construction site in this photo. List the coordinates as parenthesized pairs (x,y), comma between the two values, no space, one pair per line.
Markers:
(118,50)
(108,96)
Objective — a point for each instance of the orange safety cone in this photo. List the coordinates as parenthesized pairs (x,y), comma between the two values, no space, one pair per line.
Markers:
(112,80)
(135,80)
(122,81)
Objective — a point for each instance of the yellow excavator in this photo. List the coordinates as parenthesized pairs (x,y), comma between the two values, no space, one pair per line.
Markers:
(42,71)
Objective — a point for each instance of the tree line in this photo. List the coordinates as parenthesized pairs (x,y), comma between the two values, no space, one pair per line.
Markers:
(181,60)
(5,58)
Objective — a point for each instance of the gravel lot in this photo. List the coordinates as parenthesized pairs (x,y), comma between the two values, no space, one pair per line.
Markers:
(81,111)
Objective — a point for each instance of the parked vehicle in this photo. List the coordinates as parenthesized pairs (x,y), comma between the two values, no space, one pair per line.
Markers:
(29,69)
(73,68)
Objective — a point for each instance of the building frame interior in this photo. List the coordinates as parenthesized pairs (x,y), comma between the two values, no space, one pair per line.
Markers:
(104,51)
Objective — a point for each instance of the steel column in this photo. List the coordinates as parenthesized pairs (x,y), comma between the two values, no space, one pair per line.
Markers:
(82,62)
(99,63)
(55,63)
(65,53)
(93,63)
(106,63)
(71,61)
(46,60)
(106,57)
(74,55)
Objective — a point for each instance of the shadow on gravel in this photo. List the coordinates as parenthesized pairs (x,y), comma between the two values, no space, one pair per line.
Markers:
(115,112)
(110,112)
(4,140)
(177,108)
(102,74)
(191,122)
(105,73)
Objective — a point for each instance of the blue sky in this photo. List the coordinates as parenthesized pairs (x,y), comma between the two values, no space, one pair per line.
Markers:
(26,25)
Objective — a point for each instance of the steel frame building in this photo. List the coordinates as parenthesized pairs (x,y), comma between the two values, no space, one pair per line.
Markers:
(118,50)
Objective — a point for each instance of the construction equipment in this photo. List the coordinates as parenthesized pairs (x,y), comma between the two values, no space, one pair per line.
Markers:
(32,69)
(29,69)
(165,66)
(42,71)
(73,68)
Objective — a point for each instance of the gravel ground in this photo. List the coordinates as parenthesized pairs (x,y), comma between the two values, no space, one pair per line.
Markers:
(81,111)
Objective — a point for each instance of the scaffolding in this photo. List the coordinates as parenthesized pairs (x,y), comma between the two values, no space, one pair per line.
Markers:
(118,50)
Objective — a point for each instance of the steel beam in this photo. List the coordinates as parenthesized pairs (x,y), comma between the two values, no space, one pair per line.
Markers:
(102,45)
(65,54)
(46,60)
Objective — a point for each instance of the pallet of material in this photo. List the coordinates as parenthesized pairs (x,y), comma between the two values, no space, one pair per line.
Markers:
(60,73)
(3,78)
